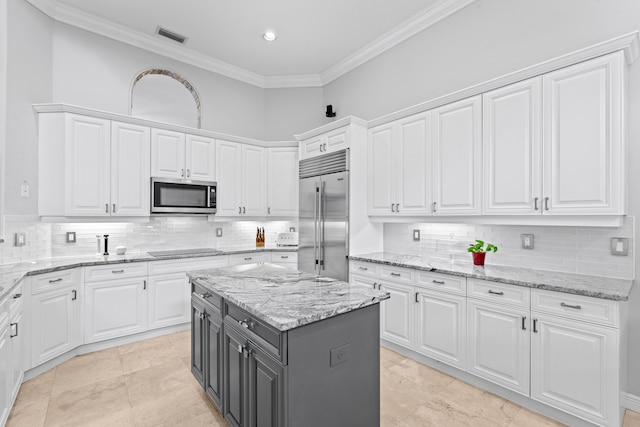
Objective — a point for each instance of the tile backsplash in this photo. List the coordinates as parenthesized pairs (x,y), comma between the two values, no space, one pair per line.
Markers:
(581,250)
(46,240)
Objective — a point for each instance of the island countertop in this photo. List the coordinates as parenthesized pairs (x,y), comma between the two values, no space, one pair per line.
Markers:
(283,297)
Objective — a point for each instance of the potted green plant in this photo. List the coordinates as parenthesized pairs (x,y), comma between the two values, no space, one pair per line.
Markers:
(478,251)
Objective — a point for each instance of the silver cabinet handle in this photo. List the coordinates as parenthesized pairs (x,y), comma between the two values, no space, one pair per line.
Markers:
(205,295)
(269,211)
(182,172)
(397,207)
(363,268)
(284,256)
(535,203)
(392,205)
(396,274)
(114,208)
(246,323)
(438,282)
(106,208)
(117,271)
(239,209)
(325,146)
(59,279)
(417,297)
(244,210)
(11,326)
(248,258)
(577,307)
(188,173)
(374,285)
(434,207)
(535,323)
(496,293)
(546,203)
(16,296)
(524,327)
(75,295)
(144,285)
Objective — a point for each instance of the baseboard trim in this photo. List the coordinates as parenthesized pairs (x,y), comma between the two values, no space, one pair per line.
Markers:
(630,401)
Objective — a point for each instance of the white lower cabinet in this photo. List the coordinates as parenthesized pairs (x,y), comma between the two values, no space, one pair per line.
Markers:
(16,341)
(169,300)
(499,344)
(285,259)
(55,325)
(397,314)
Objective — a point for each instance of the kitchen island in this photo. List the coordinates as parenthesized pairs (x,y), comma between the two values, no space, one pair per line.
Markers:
(279,347)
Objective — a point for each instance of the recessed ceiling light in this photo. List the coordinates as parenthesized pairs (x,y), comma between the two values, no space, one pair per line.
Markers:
(269,36)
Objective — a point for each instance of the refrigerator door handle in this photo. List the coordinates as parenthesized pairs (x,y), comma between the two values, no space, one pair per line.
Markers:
(315,226)
(321,225)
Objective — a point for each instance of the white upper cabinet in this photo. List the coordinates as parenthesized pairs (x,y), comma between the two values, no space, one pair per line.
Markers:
(512,143)
(241,176)
(92,167)
(180,156)
(399,161)
(584,168)
(457,157)
(326,143)
(282,182)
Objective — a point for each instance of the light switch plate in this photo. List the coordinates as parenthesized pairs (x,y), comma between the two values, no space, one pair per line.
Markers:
(416,235)
(71,236)
(20,239)
(527,241)
(218,232)
(619,246)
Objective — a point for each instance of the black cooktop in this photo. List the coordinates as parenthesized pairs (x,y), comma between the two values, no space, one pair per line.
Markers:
(174,252)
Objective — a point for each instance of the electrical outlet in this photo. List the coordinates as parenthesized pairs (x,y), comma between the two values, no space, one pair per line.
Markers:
(527,241)
(218,232)
(71,236)
(292,229)
(20,239)
(416,235)
(24,190)
(619,246)
(339,355)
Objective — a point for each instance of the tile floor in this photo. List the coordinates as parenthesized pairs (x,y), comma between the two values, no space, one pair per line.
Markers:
(149,383)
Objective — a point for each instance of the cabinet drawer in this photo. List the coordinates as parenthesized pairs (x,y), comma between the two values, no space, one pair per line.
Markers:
(443,282)
(55,280)
(16,300)
(397,274)
(115,271)
(257,330)
(203,294)
(188,264)
(364,268)
(284,257)
(499,292)
(579,307)
(247,258)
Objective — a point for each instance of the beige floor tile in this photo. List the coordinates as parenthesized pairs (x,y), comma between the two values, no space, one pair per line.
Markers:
(187,362)
(399,397)
(37,388)
(154,353)
(143,345)
(181,343)
(29,413)
(439,414)
(477,402)
(388,358)
(169,409)
(631,419)
(422,375)
(527,418)
(151,383)
(87,369)
(104,403)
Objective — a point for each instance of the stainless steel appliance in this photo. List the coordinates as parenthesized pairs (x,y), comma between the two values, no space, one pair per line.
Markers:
(175,196)
(324,215)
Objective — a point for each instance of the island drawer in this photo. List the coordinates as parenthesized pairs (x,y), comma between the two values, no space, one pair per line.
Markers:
(263,334)
(443,282)
(503,293)
(578,307)
(114,271)
(364,268)
(54,280)
(212,299)
(247,258)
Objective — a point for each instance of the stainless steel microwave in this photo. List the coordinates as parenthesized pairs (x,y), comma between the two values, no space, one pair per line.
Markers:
(175,196)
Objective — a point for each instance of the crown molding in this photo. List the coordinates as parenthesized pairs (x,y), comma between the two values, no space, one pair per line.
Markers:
(419,22)
(66,14)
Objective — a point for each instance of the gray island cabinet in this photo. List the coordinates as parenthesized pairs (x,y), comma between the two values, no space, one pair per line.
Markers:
(282,348)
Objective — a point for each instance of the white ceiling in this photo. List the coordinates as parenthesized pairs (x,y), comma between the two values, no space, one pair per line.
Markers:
(317,40)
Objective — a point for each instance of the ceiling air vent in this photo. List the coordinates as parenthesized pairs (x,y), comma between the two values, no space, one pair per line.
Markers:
(171,35)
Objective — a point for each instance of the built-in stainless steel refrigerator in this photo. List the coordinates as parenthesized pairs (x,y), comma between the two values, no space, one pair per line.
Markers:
(323,243)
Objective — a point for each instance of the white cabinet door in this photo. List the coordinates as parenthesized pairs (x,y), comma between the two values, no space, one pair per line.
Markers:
(115,308)
(200,158)
(282,182)
(169,300)
(397,314)
(441,327)
(512,143)
(413,165)
(254,181)
(583,138)
(130,176)
(5,355)
(87,166)
(16,341)
(55,324)
(499,344)
(167,154)
(229,178)
(381,194)
(334,140)
(575,368)
(457,157)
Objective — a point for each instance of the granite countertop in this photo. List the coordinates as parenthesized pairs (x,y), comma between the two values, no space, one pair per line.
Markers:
(11,274)
(285,298)
(592,286)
